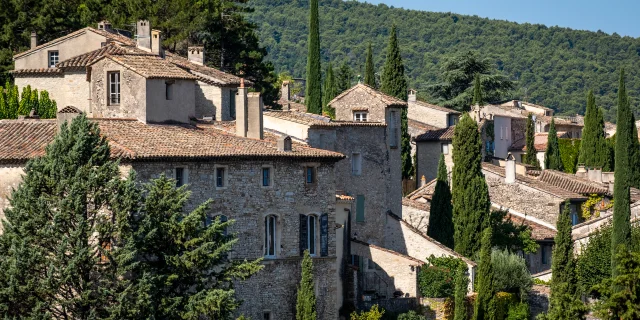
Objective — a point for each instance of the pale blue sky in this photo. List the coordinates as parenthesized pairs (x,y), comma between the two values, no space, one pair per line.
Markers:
(620,16)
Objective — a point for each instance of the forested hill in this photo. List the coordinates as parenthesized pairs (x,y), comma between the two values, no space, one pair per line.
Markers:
(552,66)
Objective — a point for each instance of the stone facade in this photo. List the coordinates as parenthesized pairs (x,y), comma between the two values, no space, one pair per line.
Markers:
(214,101)
(428,155)
(10,178)
(68,89)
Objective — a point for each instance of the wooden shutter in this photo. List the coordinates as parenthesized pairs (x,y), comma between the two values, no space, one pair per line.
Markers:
(360,208)
(303,234)
(324,235)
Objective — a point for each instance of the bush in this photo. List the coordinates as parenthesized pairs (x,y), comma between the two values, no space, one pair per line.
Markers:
(437,277)
(411,315)
(541,282)
(510,273)
(373,314)
(519,311)
(503,301)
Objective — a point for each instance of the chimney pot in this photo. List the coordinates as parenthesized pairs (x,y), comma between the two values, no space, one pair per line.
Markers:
(196,55)
(104,25)
(156,42)
(413,95)
(34,39)
(254,116)
(284,143)
(510,169)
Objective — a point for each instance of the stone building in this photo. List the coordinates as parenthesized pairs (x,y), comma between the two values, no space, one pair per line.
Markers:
(429,146)
(431,114)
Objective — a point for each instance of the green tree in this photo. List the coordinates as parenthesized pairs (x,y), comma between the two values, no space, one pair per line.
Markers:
(469,189)
(375,313)
(441,211)
(462,283)
(25,101)
(3,104)
(411,315)
(530,157)
(370,72)
(330,92)
(511,273)
(511,235)
(34,101)
(485,303)
(623,303)
(344,78)
(565,301)
(47,107)
(50,249)
(313,92)
(13,101)
(306,299)
(552,159)
(624,170)
(594,151)
(477,91)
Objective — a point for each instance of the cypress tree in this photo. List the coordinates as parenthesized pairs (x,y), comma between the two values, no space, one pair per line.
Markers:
(594,151)
(565,301)
(530,157)
(477,91)
(462,282)
(635,154)
(370,73)
(25,101)
(552,159)
(623,174)
(470,193)
(3,104)
(306,300)
(485,303)
(34,101)
(13,103)
(394,84)
(313,94)
(330,92)
(441,211)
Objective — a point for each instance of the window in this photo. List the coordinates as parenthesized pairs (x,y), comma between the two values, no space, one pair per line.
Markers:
(310,175)
(114,88)
(314,234)
(270,236)
(168,89)
(266,177)
(360,116)
(543,254)
(444,148)
(356,164)
(220,177)
(312,231)
(232,105)
(266,315)
(54,57)
(393,130)
(360,208)
(180,176)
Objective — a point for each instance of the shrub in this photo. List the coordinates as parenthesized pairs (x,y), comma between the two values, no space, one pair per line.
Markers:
(373,314)
(510,273)
(569,152)
(519,311)
(411,315)
(503,301)
(437,277)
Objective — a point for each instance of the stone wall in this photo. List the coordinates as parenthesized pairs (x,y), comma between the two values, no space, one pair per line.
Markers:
(416,217)
(181,106)
(10,178)
(70,89)
(360,100)
(538,300)
(206,104)
(428,156)
(427,115)
(76,45)
(132,92)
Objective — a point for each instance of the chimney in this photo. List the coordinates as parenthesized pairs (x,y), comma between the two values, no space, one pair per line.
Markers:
(143,35)
(104,25)
(510,169)
(34,39)
(196,55)
(254,116)
(284,143)
(156,42)
(67,114)
(285,91)
(582,171)
(412,95)
(241,110)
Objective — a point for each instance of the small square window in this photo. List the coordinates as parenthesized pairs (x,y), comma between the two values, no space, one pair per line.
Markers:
(220,177)
(360,116)
(444,148)
(310,175)
(266,177)
(54,58)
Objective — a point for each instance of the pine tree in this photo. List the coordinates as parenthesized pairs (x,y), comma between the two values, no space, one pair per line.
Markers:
(530,157)
(552,159)
(623,174)
(370,73)
(441,211)
(394,84)
(462,282)
(50,251)
(594,151)
(565,301)
(306,299)
(477,91)
(313,92)
(485,303)
(330,92)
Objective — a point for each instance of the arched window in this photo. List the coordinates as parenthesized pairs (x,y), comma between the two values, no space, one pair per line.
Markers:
(270,236)
(314,234)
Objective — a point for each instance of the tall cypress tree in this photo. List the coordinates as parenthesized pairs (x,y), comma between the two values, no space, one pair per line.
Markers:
(13,101)
(635,154)
(370,72)
(313,92)
(470,193)
(462,282)
(25,101)
(594,151)
(530,157)
(624,150)
(330,91)
(441,212)
(394,84)
(306,300)
(552,159)
(3,104)
(477,91)
(485,303)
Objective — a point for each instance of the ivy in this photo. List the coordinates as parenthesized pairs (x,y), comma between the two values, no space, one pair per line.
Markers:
(589,206)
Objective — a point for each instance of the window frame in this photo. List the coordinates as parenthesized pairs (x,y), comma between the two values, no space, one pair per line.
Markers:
(314,175)
(225,177)
(111,84)
(168,89)
(270,236)
(184,179)
(444,147)
(356,163)
(270,177)
(313,220)
(362,115)
(50,55)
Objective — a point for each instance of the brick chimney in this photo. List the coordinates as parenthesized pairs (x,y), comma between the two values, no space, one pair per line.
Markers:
(510,169)
(156,42)
(241,110)
(143,35)
(34,39)
(196,55)
(254,116)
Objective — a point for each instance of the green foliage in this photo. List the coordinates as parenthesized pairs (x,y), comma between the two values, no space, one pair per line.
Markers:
(370,72)
(462,283)
(594,151)
(437,278)
(553,66)
(344,79)
(510,273)
(375,313)
(477,91)
(306,299)
(313,93)
(541,282)
(504,300)
(11,106)
(569,152)
(552,159)
(485,308)
(530,157)
(441,211)
(469,193)
(411,315)
(519,311)
(329,93)
(623,301)
(511,236)
(25,101)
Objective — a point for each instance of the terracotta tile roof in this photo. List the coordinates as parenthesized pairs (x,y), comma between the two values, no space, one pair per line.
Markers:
(417,128)
(424,206)
(513,103)
(149,66)
(386,99)
(206,74)
(86,59)
(20,72)
(437,135)
(435,107)
(538,231)
(539,142)
(21,140)
(294,106)
(425,192)
(573,183)
(316,120)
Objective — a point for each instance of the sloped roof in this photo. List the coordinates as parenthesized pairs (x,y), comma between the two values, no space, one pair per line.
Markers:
(52,71)
(149,66)
(435,107)
(86,59)
(538,231)
(204,73)
(316,120)
(417,128)
(384,98)
(21,140)
(425,192)
(572,182)
(424,206)
(437,135)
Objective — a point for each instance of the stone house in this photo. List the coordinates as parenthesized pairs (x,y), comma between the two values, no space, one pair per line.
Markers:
(431,114)
(429,146)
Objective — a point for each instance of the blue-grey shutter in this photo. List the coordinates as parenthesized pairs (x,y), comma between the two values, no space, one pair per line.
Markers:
(303,234)
(324,235)
(360,208)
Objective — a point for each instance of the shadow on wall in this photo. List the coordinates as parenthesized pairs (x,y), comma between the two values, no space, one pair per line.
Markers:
(204,107)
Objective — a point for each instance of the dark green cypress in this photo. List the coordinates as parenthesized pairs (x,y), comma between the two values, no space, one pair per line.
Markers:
(3,104)
(623,174)
(635,154)
(462,283)
(369,72)
(306,299)
(394,84)
(530,157)
(330,92)
(313,92)
(469,189)
(485,302)
(477,91)
(441,211)
(25,101)
(13,102)
(552,159)
(594,151)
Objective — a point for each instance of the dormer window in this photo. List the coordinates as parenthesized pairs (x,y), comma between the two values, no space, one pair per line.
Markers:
(360,116)
(54,58)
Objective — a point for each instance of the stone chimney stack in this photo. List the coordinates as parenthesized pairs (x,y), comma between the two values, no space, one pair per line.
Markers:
(104,25)
(156,42)
(241,110)
(284,143)
(196,55)
(34,39)
(285,91)
(510,169)
(254,116)
(143,35)
(413,95)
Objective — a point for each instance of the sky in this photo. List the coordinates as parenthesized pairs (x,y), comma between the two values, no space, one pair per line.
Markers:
(619,16)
